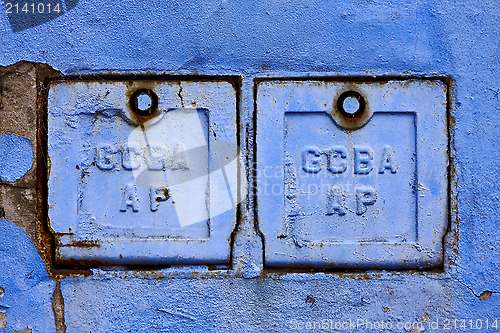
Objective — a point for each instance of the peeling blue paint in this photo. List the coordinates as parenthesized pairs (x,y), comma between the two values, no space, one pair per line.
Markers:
(16,157)
(458,39)
(27,300)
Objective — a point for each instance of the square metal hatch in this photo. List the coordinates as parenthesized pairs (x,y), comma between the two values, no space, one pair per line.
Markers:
(352,174)
(142,171)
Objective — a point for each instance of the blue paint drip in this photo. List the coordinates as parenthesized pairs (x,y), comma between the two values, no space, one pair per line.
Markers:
(16,157)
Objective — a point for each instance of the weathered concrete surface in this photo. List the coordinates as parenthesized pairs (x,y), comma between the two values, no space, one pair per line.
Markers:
(26,304)
(18,116)
(266,304)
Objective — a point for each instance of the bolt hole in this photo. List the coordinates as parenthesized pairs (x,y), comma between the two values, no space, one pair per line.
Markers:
(351,104)
(144,102)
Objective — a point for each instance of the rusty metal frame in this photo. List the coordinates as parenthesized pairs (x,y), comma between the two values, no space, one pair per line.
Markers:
(450,240)
(43,172)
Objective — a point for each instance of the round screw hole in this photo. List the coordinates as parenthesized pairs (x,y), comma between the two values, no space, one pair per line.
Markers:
(144,102)
(351,104)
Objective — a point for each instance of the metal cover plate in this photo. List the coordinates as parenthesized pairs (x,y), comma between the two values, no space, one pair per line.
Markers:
(368,192)
(126,189)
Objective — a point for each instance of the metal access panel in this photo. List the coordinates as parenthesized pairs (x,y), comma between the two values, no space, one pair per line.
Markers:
(142,172)
(352,174)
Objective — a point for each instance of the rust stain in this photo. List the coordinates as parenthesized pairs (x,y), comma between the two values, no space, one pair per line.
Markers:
(360,118)
(49,166)
(132,87)
(45,240)
(84,244)
(165,193)
(485,295)
(453,224)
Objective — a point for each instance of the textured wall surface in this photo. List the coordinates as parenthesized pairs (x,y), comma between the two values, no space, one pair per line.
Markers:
(455,39)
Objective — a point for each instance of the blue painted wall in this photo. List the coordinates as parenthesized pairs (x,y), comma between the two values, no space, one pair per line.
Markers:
(16,157)
(458,39)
